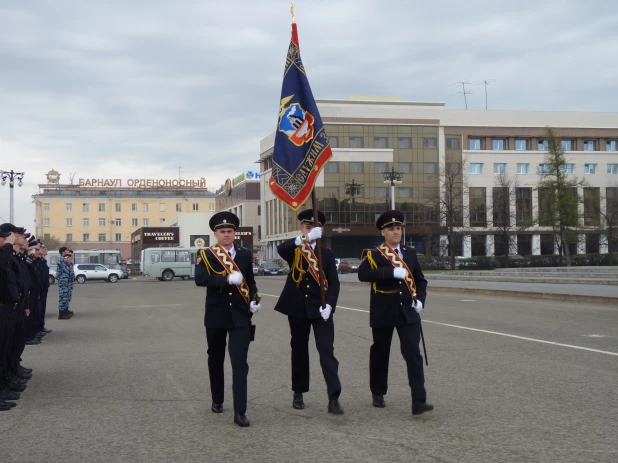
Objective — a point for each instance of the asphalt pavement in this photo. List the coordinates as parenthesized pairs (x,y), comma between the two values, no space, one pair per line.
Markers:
(513,380)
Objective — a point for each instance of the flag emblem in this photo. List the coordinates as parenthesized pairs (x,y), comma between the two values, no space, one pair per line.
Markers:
(295,122)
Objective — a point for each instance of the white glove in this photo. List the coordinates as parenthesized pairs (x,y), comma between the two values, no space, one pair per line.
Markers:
(418,306)
(315,234)
(400,273)
(326,312)
(254,307)
(235,278)
(298,241)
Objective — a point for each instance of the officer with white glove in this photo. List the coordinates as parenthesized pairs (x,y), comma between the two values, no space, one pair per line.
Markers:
(311,237)
(234,278)
(417,305)
(254,307)
(326,312)
(400,273)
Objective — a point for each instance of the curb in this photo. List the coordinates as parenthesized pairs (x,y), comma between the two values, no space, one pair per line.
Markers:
(505,292)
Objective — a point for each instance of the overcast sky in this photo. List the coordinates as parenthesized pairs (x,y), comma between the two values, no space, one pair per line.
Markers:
(137,89)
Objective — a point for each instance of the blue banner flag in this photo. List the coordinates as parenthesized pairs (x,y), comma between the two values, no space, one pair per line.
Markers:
(301,144)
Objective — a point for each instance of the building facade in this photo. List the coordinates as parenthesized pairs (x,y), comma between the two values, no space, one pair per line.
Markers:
(104,217)
(425,141)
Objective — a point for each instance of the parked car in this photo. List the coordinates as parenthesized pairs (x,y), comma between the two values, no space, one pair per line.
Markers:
(52,275)
(85,272)
(258,270)
(271,268)
(349,265)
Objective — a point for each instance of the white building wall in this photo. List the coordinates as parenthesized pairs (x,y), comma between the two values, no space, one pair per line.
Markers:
(194,224)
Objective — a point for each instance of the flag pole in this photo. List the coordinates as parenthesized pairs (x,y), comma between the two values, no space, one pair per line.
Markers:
(318,248)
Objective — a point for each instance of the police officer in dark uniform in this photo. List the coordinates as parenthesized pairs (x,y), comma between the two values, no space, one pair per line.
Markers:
(37,286)
(398,294)
(45,274)
(226,270)
(301,301)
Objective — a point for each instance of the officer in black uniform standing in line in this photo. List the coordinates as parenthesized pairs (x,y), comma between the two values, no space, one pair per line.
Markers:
(226,270)
(301,301)
(398,294)
(45,274)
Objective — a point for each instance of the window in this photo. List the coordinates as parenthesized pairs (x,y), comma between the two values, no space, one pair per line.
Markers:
(69,237)
(145,222)
(567,169)
(524,245)
(430,143)
(334,142)
(101,222)
(405,192)
(590,145)
(544,168)
(331,167)
(118,207)
(499,144)
(475,144)
(430,168)
(404,167)
(85,207)
(356,168)
(134,222)
(69,207)
(612,169)
(380,142)
(381,167)
(381,192)
(161,221)
(134,207)
(46,222)
(331,192)
(543,144)
(523,207)
(356,142)
(545,207)
(168,256)
(86,222)
(592,243)
(567,145)
(46,207)
(211,207)
(259,210)
(612,145)
(404,143)
(118,222)
(500,168)
(453,143)
(501,206)
(590,169)
(101,236)
(86,237)
(522,168)
(155,257)
(476,168)
(611,201)
(161,207)
(69,222)
(196,207)
(478,207)
(145,207)
(101,207)
(178,207)
(478,244)
(521,145)
(118,236)
(453,168)
(592,207)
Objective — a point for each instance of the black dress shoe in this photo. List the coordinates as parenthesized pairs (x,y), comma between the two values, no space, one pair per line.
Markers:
(24,369)
(11,386)
(41,334)
(378,401)
(217,408)
(25,376)
(334,407)
(5,394)
(33,342)
(64,315)
(241,419)
(298,402)
(421,407)
(46,330)
(4,406)
(16,380)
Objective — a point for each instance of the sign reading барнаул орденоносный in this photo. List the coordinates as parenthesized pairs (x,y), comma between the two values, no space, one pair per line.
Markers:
(143,183)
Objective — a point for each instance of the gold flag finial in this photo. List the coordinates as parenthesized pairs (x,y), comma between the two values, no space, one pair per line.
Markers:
(292,11)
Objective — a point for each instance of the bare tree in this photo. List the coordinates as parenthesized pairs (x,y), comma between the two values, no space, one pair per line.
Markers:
(52,243)
(609,220)
(447,202)
(503,211)
(558,197)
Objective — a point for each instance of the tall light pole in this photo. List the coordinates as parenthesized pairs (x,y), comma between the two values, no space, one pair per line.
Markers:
(11,177)
(394,178)
(353,189)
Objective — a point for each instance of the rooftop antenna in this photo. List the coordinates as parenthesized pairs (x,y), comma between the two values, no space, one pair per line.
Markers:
(464,91)
(72,176)
(486,82)
(179,171)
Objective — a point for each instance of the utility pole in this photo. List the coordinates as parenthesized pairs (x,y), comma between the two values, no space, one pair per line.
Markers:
(465,92)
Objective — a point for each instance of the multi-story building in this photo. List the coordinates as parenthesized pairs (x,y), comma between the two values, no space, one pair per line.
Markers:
(422,141)
(104,217)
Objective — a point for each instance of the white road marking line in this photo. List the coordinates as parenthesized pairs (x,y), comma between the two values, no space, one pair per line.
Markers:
(523,338)
(593,335)
(468,300)
(144,306)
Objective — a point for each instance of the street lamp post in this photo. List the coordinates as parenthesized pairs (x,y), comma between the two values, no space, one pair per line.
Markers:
(353,189)
(11,177)
(393,178)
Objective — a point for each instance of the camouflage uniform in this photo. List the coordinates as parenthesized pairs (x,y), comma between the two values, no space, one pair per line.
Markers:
(65,276)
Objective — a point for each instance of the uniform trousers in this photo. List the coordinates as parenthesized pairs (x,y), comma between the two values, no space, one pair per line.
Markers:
(42,311)
(34,320)
(379,354)
(18,343)
(238,348)
(65,294)
(7,328)
(324,332)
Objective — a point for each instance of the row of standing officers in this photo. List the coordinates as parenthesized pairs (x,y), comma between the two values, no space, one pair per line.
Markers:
(398,294)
